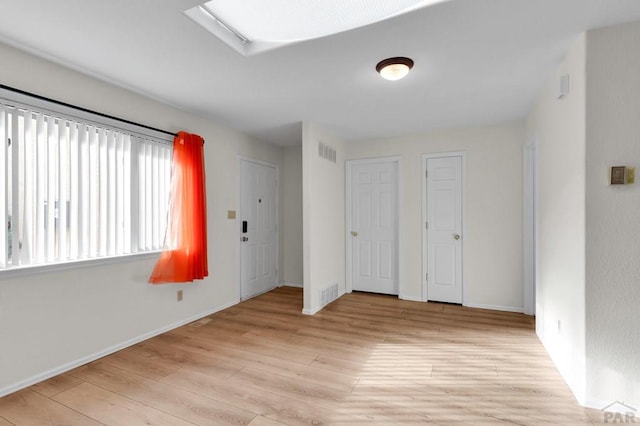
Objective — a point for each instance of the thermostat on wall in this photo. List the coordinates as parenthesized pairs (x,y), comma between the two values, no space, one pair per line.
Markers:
(622,175)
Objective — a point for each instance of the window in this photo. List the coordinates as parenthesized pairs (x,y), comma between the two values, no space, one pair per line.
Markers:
(76,186)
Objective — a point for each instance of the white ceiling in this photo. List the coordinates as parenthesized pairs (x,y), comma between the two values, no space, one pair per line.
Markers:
(476,62)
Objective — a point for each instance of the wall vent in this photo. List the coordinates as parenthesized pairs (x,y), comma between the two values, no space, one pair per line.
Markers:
(327,152)
(329,294)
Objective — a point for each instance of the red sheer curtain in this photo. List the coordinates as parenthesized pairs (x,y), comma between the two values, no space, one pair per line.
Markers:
(185,255)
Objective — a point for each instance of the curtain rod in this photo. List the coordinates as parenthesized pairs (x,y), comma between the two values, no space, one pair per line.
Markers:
(79,108)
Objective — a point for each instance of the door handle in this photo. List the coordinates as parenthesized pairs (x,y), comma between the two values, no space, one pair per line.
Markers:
(456,236)
(354,233)
(245,239)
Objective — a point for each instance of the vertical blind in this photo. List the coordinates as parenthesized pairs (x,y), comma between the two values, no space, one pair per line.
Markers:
(73,189)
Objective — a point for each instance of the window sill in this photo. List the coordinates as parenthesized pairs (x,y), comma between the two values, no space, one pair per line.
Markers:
(26,270)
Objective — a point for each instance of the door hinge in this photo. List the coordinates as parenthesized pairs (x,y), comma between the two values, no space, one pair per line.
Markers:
(426,276)
(426,225)
(426,174)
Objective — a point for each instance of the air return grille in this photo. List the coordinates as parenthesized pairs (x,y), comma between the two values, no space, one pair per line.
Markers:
(327,152)
(329,294)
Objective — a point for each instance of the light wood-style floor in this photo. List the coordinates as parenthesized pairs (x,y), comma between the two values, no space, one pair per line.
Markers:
(365,359)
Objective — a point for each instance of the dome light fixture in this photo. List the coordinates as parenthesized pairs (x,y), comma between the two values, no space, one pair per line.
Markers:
(394,68)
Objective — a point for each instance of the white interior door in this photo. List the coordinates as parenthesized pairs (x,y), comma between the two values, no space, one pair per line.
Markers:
(374,227)
(444,229)
(258,228)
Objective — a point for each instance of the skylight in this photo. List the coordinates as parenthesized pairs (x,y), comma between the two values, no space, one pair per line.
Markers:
(253,26)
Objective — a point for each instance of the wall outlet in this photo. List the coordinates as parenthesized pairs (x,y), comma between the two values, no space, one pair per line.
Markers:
(179,295)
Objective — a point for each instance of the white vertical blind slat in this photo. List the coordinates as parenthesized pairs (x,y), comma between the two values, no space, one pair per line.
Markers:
(30,167)
(119,206)
(84,198)
(111,193)
(41,188)
(149,196)
(52,165)
(4,175)
(135,194)
(63,185)
(165,178)
(156,196)
(94,190)
(74,196)
(103,193)
(15,189)
(127,194)
(142,196)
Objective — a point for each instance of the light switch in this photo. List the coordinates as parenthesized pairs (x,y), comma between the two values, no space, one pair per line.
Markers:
(622,175)
(231,214)
(631,175)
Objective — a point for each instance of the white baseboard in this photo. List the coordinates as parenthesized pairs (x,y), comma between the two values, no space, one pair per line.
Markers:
(518,310)
(311,311)
(296,285)
(260,293)
(115,348)
(612,407)
(594,404)
(318,309)
(411,298)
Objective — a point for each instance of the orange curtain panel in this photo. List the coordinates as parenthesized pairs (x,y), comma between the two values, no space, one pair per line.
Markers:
(185,255)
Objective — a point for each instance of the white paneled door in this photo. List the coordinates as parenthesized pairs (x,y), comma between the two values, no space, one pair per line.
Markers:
(374,227)
(444,229)
(258,228)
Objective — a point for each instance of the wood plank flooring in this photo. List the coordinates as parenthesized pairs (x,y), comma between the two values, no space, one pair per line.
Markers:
(365,359)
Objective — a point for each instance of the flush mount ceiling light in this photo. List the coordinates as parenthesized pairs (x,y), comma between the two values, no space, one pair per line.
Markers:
(254,26)
(394,68)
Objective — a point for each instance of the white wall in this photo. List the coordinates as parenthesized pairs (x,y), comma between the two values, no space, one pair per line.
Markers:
(292,216)
(559,127)
(612,217)
(51,320)
(492,248)
(323,216)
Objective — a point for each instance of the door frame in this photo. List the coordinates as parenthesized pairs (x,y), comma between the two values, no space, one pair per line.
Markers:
(238,233)
(423,179)
(399,223)
(530,211)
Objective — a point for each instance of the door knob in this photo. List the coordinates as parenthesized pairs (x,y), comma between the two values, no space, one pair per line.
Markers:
(456,236)
(245,238)
(354,233)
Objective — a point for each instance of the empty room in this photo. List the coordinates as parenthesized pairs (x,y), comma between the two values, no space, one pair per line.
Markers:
(287,212)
